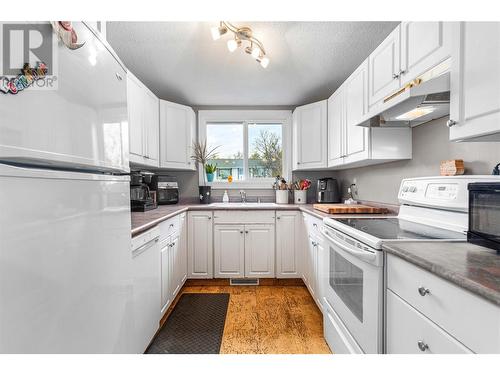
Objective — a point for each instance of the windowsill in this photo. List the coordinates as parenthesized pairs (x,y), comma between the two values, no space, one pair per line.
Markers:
(242,185)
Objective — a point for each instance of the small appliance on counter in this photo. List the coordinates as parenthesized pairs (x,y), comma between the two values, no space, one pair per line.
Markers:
(140,197)
(327,191)
(166,187)
(484,214)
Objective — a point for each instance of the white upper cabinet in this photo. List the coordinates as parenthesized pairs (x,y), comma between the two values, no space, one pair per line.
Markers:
(384,65)
(309,136)
(423,46)
(143,114)
(350,145)
(336,128)
(177,133)
(410,50)
(356,106)
(475,82)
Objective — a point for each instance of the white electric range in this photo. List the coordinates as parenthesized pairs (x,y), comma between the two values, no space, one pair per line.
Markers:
(432,209)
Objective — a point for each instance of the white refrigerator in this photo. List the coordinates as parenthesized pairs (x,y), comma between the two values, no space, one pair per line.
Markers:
(65,243)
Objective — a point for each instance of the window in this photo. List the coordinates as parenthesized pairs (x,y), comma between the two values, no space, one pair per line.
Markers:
(250,146)
(228,139)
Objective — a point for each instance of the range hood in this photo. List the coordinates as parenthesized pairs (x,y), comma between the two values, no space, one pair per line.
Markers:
(418,102)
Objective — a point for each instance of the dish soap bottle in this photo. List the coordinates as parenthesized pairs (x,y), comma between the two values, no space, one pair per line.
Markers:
(225,197)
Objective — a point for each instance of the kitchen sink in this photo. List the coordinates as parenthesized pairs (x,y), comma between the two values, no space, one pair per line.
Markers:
(243,205)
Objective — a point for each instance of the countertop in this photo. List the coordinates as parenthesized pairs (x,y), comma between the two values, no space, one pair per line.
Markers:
(142,221)
(471,267)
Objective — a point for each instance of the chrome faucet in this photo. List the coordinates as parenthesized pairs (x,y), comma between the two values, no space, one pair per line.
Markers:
(243,196)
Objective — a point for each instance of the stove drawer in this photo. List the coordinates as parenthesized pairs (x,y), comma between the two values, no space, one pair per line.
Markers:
(409,332)
(470,319)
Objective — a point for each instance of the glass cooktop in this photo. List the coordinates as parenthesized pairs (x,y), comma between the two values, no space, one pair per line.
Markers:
(396,229)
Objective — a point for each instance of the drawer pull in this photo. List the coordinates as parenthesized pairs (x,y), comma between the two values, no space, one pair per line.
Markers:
(422,346)
(423,291)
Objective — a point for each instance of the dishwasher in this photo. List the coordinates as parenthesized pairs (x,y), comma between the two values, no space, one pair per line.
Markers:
(146,284)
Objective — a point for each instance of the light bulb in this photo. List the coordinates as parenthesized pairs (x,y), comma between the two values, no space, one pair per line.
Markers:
(215,32)
(255,52)
(264,62)
(232,45)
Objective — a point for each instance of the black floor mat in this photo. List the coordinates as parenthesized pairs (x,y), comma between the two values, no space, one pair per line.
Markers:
(195,326)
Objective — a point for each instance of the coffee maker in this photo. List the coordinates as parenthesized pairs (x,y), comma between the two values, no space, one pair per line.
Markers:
(327,191)
(140,196)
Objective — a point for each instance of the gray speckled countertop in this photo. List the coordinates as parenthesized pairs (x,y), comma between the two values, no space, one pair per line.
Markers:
(471,267)
(142,221)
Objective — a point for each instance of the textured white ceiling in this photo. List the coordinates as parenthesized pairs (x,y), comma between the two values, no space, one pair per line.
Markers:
(180,62)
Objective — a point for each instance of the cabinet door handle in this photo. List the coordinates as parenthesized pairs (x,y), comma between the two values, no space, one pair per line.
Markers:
(450,123)
(423,291)
(278,217)
(422,346)
(315,225)
(395,76)
(210,218)
(246,232)
(401,72)
(171,226)
(119,77)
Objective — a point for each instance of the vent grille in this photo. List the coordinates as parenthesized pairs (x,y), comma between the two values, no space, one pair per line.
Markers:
(245,282)
(438,97)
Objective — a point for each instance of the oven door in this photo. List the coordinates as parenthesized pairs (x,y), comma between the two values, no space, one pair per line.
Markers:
(353,288)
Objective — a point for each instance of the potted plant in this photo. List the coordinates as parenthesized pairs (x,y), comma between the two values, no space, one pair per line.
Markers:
(210,171)
(201,154)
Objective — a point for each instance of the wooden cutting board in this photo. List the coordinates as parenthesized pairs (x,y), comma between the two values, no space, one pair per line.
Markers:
(334,208)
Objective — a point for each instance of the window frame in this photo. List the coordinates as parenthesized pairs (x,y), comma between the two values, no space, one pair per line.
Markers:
(248,117)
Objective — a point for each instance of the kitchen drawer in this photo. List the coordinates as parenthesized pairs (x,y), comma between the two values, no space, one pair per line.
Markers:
(244,217)
(313,225)
(336,334)
(169,227)
(470,319)
(409,332)
(144,238)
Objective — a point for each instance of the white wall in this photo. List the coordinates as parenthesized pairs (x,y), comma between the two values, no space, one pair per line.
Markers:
(380,183)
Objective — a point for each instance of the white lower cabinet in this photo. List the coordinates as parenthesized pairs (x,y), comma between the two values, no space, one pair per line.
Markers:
(410,332)
(183,249)
(244,244)
(312,259)
(288,244)
(259,250)
(200,246)
(422,307)
(165,276)
(173,259)
(229,251)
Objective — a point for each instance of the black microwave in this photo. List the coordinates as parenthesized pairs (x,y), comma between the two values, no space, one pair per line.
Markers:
(484,214)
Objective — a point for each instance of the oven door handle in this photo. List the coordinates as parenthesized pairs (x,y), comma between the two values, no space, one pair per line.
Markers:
(361,254)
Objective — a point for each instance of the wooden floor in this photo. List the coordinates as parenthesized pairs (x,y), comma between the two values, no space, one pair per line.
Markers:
(275,319)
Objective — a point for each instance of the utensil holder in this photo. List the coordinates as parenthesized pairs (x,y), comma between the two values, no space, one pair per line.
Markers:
(300,196)
(281,196)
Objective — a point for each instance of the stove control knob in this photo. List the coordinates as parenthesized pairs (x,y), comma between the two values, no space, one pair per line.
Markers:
(405,189)
(413,189)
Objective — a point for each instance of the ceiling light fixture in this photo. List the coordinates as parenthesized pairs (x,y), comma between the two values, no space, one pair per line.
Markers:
(244,33)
